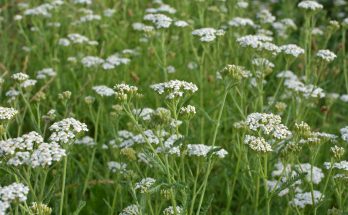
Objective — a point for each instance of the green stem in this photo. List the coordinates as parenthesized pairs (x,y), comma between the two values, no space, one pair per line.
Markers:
(63,185)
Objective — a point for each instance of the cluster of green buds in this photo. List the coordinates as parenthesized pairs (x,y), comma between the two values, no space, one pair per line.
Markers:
(125,92)
(234,72)
(161,116)
(40,209)
(89,100)
(337,152)
(188,112)
(64,96)
(303,129)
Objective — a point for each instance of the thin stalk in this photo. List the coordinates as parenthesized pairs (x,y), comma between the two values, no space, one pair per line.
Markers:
(205,181)
(63,186)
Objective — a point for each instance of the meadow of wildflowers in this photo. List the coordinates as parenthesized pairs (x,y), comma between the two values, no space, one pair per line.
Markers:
(174,107)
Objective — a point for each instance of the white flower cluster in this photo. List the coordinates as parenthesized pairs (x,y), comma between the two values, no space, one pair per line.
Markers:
(130,210)
(326,55)
(46,72)
(159,20)
(169,147)
(265,17)
(344,133)
(30,149)
(43,9)
(292,82)
(310,5)
(117,167)
(188,110)
(292,49)
(161,9)
(208,34)
(268,124)
(66,130)
(303,199)
(144,185)
(137,26)
(342,165)
(76,39)
(283,26)
(170,210)
(103,90)
(15,192)
(110,62)
(7,113)
(20,76)
(258,144)
(202,150)
(86,141)
(259,42)
(174,88)
(241,22)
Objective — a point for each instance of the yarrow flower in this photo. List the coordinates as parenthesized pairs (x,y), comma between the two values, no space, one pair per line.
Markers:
(46,72)
(103,90)
(326,55)
(125,91)
(259,42)
(15,192)
(145,185)
(130,210)
(292,49)
(241,22)
(117,167)
(174,89)
(66,130)
(234,72)
(201,150)
(269,124)
(257,144)
(301,200)
(207,34)
(170,210)
(20,77)
(159,20)
(310,5)
(30,149)
(7,113)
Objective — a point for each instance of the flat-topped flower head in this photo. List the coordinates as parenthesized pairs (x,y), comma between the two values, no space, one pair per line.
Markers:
(174,89)
(241,22)
(14,192)
(292,50)
(159,20)
(170,210)
(125,91)
(66,130)
(7,113)
(131,210)
(45,73)
(258,144)
(326,55)
(268,124)
(301,200)
(208,34)
(259,42)
(103,90)
(310,5)
(201,150)
(20,77)
(145,185)
(30,149)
